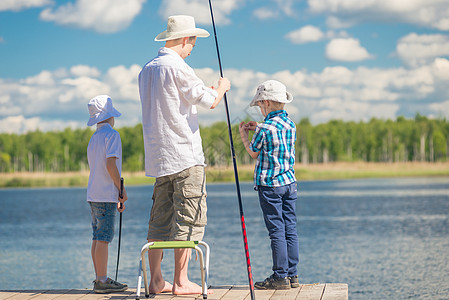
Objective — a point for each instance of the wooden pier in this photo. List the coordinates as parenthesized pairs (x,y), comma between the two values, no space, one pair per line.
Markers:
(324,291)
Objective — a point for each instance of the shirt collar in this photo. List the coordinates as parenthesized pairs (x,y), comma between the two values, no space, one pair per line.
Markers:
(168,51)
(101,125)
(281,113)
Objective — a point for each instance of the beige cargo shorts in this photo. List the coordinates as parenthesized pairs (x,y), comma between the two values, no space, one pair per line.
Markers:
(179,206)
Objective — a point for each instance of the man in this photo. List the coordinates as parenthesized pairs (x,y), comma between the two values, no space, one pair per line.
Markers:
(169,92)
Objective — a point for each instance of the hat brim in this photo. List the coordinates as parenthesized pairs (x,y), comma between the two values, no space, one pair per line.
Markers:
(261,97)
(101,117)
(167,36)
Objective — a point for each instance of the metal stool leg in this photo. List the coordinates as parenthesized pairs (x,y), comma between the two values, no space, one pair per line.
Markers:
(143,269)
(204,263)
(204,267)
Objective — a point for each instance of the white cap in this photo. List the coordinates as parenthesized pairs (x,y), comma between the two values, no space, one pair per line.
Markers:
(272,90)
(100,109)
(179,27)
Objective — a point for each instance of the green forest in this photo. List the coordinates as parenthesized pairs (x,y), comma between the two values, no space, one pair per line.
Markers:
(400,140)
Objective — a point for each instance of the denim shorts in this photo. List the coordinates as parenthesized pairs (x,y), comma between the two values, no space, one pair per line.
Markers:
(103,220)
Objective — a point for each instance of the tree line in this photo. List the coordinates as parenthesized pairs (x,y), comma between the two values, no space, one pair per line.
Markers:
(400,140)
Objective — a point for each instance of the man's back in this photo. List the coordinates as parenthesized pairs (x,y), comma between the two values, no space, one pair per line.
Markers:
(169,91)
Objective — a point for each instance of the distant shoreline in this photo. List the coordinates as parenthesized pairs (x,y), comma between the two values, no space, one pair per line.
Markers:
(328,171)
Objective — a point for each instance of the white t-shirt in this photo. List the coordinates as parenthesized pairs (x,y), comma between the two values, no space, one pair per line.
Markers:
(104,143)
(169,92)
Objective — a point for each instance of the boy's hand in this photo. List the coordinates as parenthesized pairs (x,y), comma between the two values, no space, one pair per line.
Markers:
(124,197)
(122,201)
(122,208)
(251,125)
(243,129)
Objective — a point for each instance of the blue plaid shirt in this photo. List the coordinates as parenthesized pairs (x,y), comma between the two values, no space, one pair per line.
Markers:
(275,139)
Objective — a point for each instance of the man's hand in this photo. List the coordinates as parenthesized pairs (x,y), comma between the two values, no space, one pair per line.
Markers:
(224,85)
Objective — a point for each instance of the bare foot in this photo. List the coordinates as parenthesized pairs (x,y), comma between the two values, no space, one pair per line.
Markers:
(156,288)
(187,289)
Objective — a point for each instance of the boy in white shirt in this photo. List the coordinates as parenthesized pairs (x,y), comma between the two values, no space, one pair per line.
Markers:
(104,155)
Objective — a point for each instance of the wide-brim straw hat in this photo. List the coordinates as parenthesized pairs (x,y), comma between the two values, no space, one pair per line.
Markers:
(100,109)
(272,90)
(179,27)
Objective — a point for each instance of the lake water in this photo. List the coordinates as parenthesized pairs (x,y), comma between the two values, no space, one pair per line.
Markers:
(386,238)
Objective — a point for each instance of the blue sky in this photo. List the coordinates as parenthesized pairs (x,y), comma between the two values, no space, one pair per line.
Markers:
(341,59)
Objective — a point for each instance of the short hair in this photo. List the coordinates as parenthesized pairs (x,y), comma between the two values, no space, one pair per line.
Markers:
(277,105)
(179,40)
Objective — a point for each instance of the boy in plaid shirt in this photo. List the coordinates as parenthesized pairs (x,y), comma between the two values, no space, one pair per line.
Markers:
(273,145)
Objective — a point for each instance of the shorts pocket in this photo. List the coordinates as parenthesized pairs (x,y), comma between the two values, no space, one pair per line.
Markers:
(193,207)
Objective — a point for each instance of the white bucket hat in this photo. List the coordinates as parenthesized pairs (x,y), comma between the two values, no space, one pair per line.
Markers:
(100,109)
(272,90)
(179,27)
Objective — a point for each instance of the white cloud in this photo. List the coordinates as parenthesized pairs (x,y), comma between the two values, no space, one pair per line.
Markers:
(310,34)
(346,49)
(17,5)
(43,78)
(83,70)
(265,13)
(275,10)
(57,99)
(305,34)
(200,10)
(21,124)
(123,82)
(345,13)
(440,109)
(105,16)
(415,50)
(440,68)
(350,110)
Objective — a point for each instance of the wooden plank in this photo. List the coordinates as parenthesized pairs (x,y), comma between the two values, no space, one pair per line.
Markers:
(261,294)
(74,294)
(218,292)
(335,291)
(121,295)
(162,296)
(329,291)
(311,291)
(50,295)
(237,292)
(7,294)
(25,294)
(285,294)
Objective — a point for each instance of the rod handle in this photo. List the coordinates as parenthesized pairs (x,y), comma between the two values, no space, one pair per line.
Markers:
(121,191)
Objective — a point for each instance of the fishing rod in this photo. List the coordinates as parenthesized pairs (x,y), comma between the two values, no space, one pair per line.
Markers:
(242,217)
(120,228)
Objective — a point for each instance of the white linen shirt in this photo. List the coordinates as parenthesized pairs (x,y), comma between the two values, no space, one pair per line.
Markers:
(169,92)
(104,143)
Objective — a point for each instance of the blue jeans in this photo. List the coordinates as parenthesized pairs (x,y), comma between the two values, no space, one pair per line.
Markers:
(279,211)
